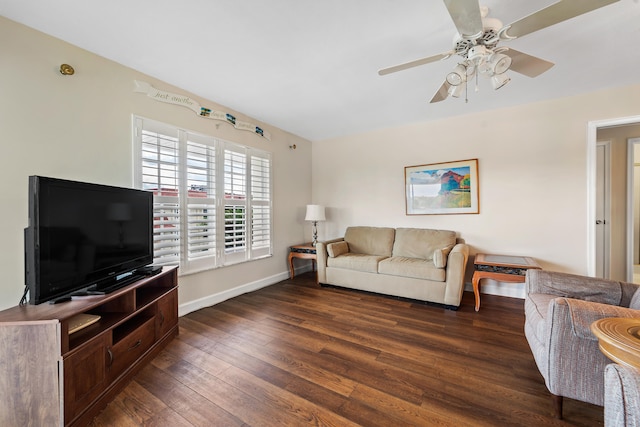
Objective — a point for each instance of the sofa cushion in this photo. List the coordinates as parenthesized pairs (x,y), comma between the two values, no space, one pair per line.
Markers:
(337,248)
(440,256)
(370,240)
(358,262)
(420,242)
(412,267)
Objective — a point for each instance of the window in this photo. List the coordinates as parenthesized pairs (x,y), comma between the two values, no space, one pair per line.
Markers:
(212,198)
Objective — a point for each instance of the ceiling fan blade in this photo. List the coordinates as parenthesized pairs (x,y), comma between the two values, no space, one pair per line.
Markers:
(442,93)
(528,65)
(557,12)
(415,63)
(466,17)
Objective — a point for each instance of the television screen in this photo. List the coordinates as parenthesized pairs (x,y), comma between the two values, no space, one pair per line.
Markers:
(83,234)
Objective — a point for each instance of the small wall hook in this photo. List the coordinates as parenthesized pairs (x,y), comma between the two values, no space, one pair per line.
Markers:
(67,70)
(292,147)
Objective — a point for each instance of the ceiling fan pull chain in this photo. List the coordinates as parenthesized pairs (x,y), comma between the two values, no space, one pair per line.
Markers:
(466,91)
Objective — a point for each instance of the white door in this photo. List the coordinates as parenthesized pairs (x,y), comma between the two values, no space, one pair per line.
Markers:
(603,195)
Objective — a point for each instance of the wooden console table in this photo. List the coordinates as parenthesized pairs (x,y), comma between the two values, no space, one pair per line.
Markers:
(619,339)
(304,251)
(503,268)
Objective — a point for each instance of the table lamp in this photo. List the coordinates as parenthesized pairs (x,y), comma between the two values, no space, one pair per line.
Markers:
(315,213)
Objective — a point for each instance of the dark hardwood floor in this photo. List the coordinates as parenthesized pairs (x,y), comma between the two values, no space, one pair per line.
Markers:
(298,354)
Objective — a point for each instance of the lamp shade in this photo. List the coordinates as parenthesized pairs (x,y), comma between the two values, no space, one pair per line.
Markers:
(315,213)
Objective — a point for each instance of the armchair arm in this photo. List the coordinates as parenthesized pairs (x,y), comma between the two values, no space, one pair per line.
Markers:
(573,286)
(568,356)
(584,313)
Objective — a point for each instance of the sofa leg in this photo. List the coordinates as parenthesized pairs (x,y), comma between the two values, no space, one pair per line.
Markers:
(557,406)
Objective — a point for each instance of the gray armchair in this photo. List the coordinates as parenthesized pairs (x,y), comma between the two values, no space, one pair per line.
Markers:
(621,396)
(559,310)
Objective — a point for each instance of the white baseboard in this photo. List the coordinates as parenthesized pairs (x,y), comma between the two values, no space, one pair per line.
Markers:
(214,299)
(491,287)
(488,286)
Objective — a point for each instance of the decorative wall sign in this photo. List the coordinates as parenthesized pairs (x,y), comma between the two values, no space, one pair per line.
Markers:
(185,101)
(442,188)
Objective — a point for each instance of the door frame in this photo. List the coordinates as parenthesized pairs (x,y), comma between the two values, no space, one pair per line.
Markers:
(631,142)
(606,208)
(592,140)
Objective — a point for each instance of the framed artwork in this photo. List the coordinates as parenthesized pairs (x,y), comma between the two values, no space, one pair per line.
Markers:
(442,188)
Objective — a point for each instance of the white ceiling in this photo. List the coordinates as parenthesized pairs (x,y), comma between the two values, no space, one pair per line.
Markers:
(310,66)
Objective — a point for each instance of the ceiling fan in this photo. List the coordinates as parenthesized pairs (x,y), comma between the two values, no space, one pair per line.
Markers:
(477,43)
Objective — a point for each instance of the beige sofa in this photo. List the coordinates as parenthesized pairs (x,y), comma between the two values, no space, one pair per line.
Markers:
(421,264)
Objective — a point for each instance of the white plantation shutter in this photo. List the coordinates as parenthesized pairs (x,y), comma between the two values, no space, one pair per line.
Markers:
(260,204)
(212,198)
(166,233)
(201,203)
(235,203)
(160,174)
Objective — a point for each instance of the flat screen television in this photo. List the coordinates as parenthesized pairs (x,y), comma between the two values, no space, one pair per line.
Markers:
(84,237)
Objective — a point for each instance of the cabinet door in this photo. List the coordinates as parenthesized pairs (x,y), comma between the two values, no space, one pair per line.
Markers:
(84,376)
(167,313)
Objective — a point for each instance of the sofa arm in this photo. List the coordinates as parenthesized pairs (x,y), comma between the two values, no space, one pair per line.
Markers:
(573,286)
(621,396)
(321,258)
(456,267)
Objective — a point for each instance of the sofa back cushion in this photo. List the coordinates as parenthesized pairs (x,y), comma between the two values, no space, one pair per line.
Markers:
(421,242)
(370,240)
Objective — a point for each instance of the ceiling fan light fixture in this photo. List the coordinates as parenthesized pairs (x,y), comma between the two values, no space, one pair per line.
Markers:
(499,80)
(457,76)
(456,91)
(499,63)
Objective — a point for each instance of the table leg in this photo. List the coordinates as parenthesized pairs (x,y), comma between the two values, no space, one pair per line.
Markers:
(291,270)
(475,280)
(497,276)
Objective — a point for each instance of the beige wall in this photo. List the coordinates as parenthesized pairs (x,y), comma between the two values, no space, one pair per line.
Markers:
(79,127)
(532,173)
(532,164)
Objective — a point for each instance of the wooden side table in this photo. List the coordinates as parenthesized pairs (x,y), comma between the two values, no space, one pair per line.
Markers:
(619,339)
(503,268)
(304,251)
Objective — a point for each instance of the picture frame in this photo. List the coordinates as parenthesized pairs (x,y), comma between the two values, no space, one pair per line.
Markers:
(442,188)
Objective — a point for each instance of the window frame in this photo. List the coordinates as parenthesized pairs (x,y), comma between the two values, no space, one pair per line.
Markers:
(256,168)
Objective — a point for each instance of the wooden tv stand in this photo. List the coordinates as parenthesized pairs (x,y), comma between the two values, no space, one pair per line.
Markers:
(49,377)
